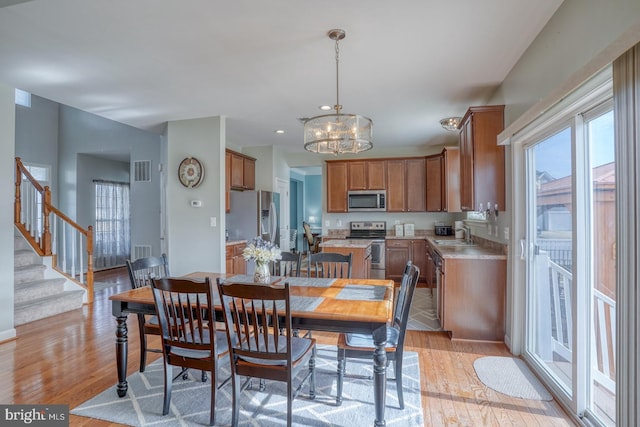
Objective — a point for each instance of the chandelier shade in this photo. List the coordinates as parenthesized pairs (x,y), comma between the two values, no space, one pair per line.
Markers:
(338,133)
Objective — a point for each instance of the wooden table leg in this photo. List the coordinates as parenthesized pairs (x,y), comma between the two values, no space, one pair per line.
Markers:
(121,355)
(380,374)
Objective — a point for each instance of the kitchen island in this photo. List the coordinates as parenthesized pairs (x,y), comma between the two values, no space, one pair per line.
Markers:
(360,250)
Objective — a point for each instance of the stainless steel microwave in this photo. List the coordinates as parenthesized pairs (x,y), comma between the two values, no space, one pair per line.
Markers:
(367,201)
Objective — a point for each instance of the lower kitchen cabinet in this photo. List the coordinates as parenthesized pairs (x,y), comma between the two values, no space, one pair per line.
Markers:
(472,298)
(235,262)
(399,251)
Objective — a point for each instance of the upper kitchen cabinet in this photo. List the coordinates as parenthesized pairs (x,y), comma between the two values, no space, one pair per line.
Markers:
(406,181)
(243,171)
(336,186)
(443,181)
(366,175)
(227,183)
(482,159)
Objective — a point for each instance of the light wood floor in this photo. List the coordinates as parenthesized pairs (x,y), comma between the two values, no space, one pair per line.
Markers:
(67,359)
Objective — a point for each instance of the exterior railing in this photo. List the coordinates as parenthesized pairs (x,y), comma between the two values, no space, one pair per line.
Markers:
(603,334)
(50,232)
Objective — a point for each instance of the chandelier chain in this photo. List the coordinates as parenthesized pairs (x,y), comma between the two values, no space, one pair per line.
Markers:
(338,107)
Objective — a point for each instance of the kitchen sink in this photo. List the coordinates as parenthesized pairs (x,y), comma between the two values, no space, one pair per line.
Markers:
(451,242)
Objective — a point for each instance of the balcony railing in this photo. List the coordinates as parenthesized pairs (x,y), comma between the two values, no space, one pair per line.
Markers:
(50,232)
(603,334)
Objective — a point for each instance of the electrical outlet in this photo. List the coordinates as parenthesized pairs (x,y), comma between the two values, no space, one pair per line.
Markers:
(339,223)
(327,223)
(212,221)
(506,233)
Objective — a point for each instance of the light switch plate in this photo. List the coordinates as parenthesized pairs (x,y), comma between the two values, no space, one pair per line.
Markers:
(327,223)
(212,221)
(506,233)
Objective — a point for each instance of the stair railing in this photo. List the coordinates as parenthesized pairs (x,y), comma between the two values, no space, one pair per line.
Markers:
(50,232)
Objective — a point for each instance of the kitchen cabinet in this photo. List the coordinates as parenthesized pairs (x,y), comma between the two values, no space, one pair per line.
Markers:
(472,298)
(482,163)
(243,171)
(418,256)
(398,252)
(406,181)
(366,175)
(336,187)
(443,181)
(235,262)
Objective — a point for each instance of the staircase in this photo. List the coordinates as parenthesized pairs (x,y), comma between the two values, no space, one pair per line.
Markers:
(35,296)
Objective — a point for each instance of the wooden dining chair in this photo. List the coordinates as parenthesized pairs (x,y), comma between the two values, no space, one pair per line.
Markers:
(288,266)
(329,265)
(312,245)
(361,346)
(141,271)
(261,342)
(190,339)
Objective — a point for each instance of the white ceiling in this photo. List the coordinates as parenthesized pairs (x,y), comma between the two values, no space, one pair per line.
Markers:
(265,64)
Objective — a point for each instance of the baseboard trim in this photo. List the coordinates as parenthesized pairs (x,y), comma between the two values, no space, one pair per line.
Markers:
(8,335)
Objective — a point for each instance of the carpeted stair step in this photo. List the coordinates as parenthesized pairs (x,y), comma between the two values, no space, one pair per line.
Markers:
(27,291)
(28,273)
(20,243)
(47,306)
(23,257)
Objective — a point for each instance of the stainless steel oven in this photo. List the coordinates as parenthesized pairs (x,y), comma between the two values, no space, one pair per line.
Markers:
(376,232)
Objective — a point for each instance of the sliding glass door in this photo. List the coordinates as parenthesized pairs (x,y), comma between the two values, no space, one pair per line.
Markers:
(570,262)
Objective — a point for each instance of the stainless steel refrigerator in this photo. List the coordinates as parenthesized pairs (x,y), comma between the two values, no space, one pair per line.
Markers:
(253,214)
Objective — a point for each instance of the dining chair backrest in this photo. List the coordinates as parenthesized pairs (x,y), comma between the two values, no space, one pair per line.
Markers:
(329,265)
(258,318)
(405,296)
(142,270)
(288,266)
(184,308)
(309,239)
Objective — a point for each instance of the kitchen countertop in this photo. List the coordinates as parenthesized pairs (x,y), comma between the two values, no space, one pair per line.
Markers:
(477,251)
(235,242)
(346,243)
(483,249)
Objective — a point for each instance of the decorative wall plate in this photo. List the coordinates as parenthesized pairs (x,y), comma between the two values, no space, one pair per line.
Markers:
(190,172)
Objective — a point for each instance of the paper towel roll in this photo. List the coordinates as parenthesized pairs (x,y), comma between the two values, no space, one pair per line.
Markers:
(458,229)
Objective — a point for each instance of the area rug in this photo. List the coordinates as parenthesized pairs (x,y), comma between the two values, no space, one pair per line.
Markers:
(510,376)
(422,316)
(190,399)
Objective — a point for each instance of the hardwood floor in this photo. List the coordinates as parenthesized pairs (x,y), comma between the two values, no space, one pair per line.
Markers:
(68,358)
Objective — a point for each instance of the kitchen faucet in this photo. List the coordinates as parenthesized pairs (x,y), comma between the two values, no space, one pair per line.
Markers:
(467,234)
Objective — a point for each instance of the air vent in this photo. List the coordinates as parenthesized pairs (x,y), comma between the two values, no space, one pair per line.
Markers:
(142,171)
(141,251)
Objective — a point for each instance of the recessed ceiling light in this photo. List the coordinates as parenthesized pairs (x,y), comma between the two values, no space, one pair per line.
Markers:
(279,131)
(325,107)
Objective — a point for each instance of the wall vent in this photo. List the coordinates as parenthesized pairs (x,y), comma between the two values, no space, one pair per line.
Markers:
(142,171)
(141,251)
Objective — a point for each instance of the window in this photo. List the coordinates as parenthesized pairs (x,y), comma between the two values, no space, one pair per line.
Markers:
(112,228)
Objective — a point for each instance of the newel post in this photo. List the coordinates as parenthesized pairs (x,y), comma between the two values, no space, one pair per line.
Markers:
(90,262)
(46,227)
(16,203)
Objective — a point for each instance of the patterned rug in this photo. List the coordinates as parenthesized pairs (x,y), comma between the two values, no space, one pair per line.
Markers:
(190,399)
(422,316)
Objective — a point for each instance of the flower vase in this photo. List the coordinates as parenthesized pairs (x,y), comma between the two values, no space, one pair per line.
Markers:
(262,273)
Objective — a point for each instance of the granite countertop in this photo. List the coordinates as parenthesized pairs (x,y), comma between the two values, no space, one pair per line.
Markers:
(480,250)
(235,242)
(346,243)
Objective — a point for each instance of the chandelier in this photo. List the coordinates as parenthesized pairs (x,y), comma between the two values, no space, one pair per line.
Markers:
(338,133)
(450,123)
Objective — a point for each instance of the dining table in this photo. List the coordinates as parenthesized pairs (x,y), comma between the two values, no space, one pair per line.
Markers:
(317,304)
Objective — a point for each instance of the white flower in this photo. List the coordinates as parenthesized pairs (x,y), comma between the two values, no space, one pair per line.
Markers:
(261,251)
